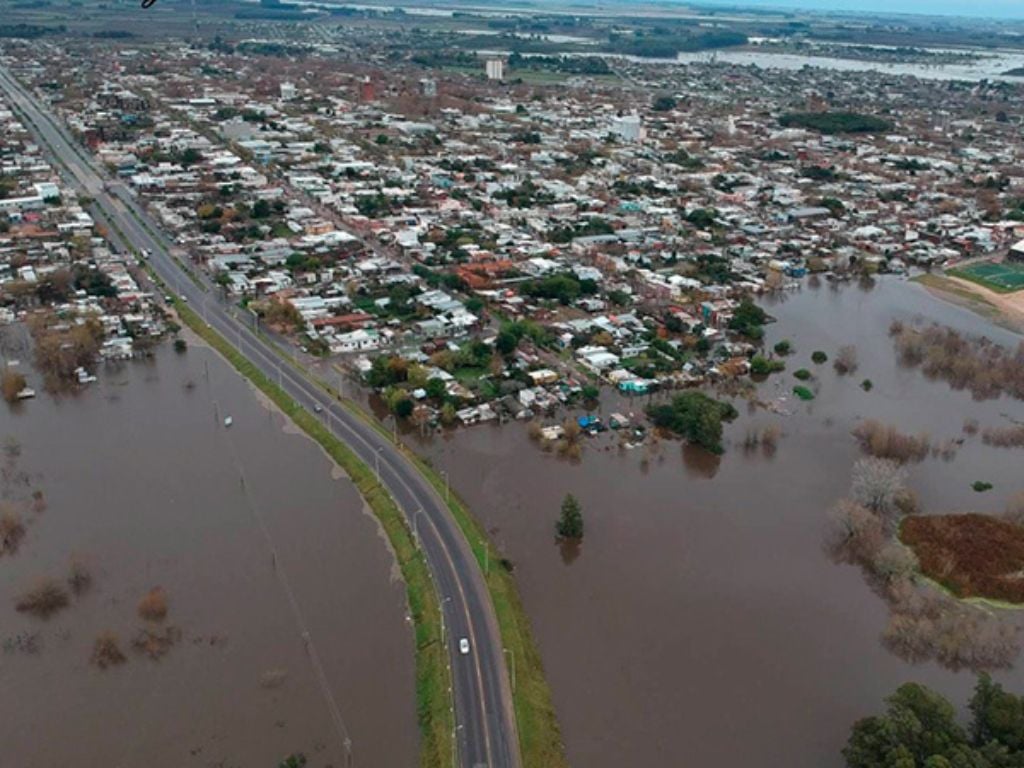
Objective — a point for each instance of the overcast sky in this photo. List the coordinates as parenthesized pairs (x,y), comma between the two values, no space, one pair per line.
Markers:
(996,8)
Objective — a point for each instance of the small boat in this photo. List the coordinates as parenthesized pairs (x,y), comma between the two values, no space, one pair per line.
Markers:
(228,421)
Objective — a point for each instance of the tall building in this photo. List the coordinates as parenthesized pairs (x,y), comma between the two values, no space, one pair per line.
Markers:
(428,87)
(628,127)
(495,69)
(366,90)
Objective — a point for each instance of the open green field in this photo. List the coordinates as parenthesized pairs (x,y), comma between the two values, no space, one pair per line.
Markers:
(1005,277)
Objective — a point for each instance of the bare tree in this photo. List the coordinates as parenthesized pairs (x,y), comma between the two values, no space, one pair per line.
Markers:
(846,360)
(876,484)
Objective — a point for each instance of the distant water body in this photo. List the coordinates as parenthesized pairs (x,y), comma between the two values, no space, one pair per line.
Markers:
(1003,9)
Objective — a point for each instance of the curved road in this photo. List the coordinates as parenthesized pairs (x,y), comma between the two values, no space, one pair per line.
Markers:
(485,731)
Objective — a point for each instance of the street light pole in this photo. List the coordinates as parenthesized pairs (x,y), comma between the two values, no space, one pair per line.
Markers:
(512,658)
(376,458)
(415,527)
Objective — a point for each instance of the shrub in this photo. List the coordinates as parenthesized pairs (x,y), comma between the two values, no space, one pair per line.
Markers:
(11,383)
(977,364)
(980,486)
(846,360)
(153,607)
(156,644)
(885,442)
(819,357)
(79,577)
(762,366)
(803,374)
(12,531)
(784,347)
(867,385)
(107,651)
(44,599)
(803,393)
(1004,437)
(180,345)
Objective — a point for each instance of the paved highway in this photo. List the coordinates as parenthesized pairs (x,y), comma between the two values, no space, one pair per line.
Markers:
(485,732)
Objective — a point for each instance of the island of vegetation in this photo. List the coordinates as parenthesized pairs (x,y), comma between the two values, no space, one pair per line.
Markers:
(835,122)
(971,555)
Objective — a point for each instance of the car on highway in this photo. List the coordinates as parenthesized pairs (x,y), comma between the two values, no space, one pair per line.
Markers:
(464,646)
(318,408)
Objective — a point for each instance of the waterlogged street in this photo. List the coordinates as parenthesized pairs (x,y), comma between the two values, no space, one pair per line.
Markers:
(287,621)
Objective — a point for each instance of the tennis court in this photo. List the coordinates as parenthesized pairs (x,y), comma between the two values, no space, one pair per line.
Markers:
(1005,277)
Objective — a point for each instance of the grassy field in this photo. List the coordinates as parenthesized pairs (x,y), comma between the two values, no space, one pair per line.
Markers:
(971,555)
(1005,277)
(433,676)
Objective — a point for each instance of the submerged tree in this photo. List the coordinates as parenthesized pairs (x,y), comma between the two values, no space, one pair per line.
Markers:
(570,523)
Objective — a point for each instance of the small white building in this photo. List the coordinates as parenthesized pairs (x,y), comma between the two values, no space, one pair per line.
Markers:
(288,91)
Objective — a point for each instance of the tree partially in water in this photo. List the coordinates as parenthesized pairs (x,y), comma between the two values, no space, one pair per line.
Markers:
(919,728)
(570,522)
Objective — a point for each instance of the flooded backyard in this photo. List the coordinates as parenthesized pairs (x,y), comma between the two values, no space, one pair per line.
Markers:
(289,623)
(702,622)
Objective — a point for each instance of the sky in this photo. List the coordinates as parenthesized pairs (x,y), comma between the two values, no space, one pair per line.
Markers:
(1012,9)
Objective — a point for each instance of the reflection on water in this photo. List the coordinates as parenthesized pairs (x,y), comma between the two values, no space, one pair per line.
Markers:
(703,617)
(265,560)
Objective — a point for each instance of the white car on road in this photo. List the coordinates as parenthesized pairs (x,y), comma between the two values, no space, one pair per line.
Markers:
(464,646)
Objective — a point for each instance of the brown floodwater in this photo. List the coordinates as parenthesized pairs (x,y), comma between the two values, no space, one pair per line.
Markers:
(701,622)
(257,540)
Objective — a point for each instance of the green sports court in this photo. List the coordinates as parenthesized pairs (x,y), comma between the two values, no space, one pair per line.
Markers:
(1005,277)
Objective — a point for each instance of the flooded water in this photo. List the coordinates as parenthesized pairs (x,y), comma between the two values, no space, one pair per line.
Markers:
(293,626)
(990,65)
(701,623)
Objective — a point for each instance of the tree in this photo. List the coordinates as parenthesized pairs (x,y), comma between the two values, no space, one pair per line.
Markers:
(403,408)
(877,484)
(696,417)
(748,319)
(570,523)
(506,342)
(664,104)
(998,716)
(918,729)
(261,209)
(435,388)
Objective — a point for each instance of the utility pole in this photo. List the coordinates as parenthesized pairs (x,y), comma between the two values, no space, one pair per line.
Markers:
(512,657)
